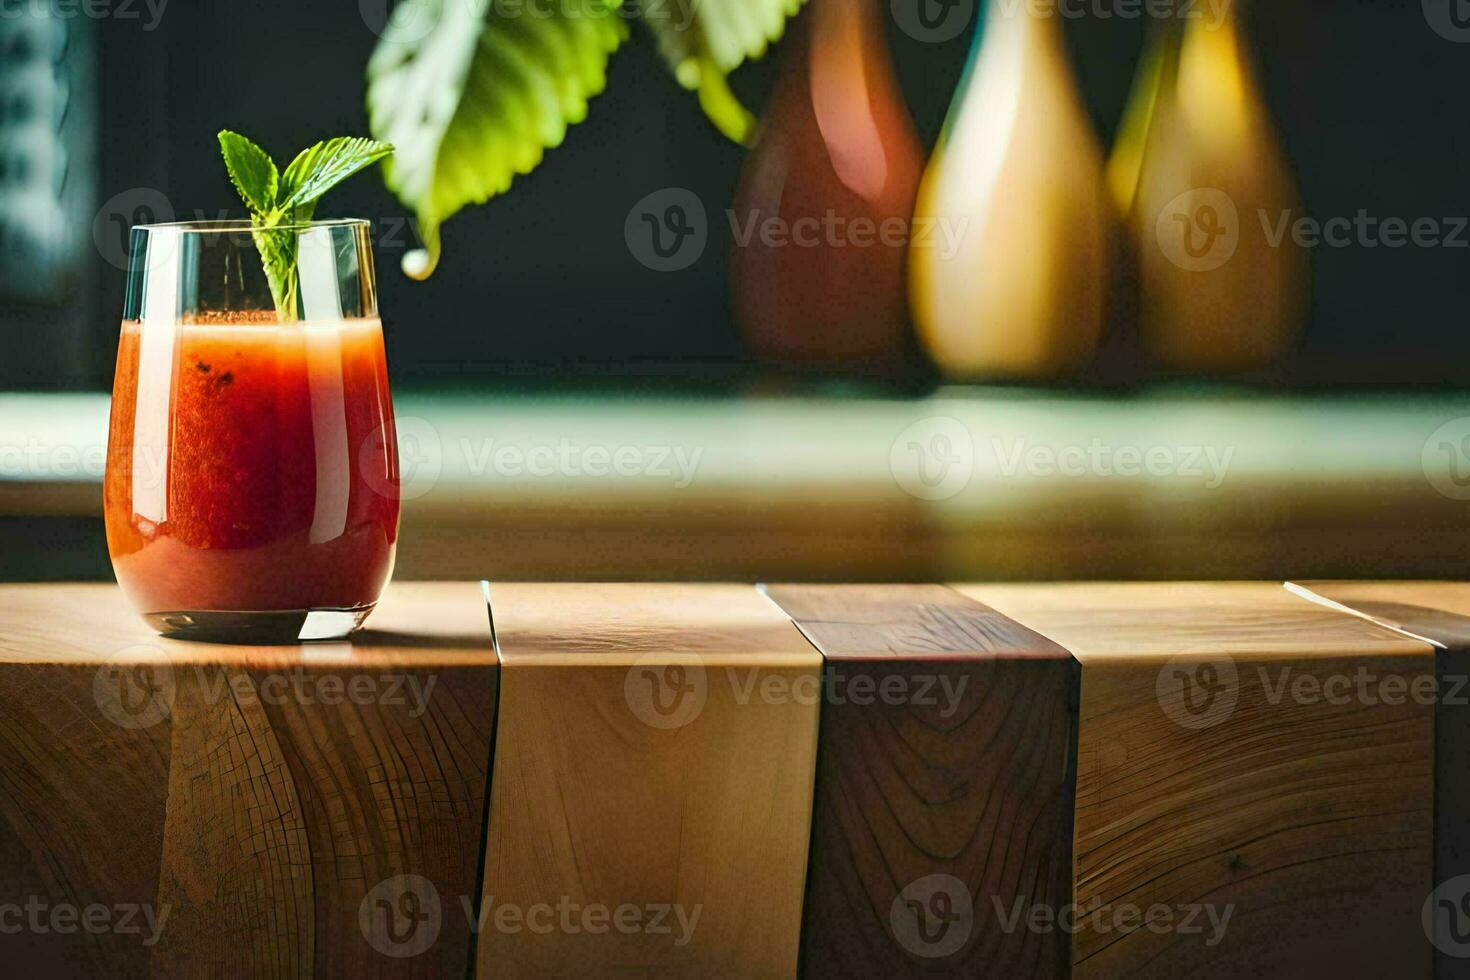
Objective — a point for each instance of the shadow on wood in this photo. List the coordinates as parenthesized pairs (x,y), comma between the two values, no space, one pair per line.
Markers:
(945,774)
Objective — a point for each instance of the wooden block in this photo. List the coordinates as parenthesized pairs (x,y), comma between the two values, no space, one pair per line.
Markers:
(651,804)
(269,807)
(1227,767)
(945,775)
(1440,613)
(82,797)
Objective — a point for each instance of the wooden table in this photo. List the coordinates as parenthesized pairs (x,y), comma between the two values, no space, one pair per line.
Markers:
(1096,780)
(259,794)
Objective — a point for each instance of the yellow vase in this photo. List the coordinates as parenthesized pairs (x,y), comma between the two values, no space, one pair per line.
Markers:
(1209,201)
(1010,263)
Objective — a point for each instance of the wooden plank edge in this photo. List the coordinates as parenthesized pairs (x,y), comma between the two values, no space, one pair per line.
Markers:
(1450,883)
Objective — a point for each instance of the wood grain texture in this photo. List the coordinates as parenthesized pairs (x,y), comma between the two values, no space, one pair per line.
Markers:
(945,775)
(266,800)
(82,804)
(1440,612)
(651,804)
(1221,767)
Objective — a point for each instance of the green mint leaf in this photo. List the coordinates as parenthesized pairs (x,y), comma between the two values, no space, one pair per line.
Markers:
(251,171)
(472,93)
(290,199)
(325,165)
(277,249)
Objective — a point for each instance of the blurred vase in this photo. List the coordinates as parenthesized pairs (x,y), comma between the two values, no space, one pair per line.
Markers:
(1014,281)
(821,214)
(1209,201)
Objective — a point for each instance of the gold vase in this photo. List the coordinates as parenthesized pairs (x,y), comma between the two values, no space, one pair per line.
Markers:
(1208,201)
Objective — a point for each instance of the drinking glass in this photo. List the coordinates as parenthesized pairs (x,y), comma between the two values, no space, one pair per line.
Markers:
(251,491)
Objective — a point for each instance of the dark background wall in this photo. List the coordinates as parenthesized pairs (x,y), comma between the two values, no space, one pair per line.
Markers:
(1369,101)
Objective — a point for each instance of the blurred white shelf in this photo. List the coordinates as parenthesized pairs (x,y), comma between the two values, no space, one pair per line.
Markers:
(999,482)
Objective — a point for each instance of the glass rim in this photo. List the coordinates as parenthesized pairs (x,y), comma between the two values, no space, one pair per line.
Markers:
(230,226)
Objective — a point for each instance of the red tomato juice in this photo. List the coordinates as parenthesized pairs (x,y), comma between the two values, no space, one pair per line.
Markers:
(251,465)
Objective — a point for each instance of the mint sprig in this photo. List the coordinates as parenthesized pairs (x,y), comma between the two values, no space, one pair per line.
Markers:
(277,199)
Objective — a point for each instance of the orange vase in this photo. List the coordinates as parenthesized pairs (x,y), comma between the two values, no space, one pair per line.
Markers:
(821,219)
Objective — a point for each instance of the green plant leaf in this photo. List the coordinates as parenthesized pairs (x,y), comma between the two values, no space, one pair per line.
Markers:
(251,171)
(288,199)
(320,168)
(704,40)
(277,248)
(473,92)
